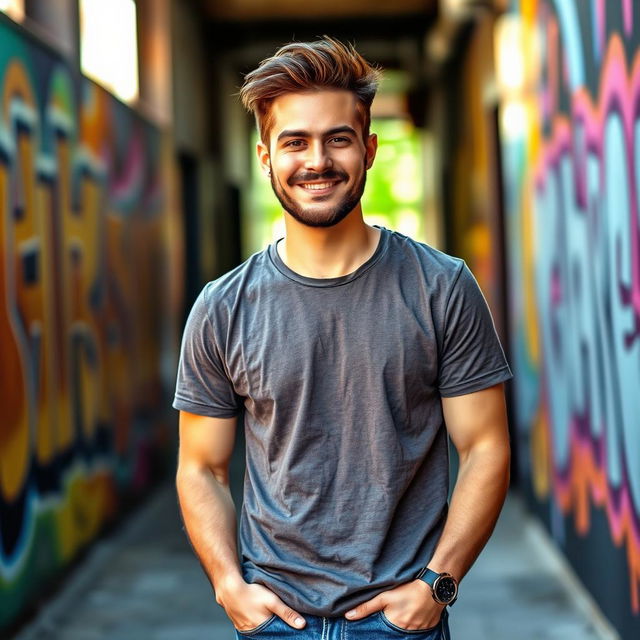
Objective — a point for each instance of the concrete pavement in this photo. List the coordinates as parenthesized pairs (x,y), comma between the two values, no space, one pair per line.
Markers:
(144,583)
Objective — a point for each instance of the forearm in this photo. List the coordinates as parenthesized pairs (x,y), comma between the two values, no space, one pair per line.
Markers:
(475,504)
(477,499)
(210,520)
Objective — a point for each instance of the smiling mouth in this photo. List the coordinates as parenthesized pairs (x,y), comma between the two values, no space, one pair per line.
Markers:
(317,186)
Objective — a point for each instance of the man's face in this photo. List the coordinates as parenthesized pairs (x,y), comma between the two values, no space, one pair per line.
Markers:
(316,154)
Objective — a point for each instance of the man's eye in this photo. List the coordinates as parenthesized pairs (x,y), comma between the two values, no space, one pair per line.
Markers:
(294,143)
(339,140)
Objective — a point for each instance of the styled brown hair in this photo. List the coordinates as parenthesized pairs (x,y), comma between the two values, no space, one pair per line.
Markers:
(308,66)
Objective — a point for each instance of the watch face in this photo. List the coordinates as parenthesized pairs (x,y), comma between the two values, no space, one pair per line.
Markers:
(445,589)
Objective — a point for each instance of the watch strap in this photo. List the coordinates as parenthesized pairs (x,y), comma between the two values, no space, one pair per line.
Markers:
(428,576)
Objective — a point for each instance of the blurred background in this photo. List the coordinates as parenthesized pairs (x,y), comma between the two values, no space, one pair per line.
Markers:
(510,132)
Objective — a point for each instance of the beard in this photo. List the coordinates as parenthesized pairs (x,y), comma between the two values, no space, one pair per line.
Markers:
(319,216)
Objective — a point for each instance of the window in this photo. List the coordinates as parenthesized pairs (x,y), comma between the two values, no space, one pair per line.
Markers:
(109,45)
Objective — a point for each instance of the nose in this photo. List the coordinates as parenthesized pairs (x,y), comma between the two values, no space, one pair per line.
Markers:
(317,158)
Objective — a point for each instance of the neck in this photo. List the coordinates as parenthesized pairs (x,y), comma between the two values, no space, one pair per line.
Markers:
(328,252)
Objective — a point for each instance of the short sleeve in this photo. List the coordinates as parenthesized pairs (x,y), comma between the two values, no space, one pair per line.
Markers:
(471,356)
(202,386)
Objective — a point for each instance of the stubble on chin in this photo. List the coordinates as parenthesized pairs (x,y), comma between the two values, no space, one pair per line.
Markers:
(318,216)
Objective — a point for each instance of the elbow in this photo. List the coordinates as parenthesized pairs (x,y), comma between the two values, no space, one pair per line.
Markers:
(184,479)
(189,473)
(504,464)
(492,459)
(502,459)
(503,454)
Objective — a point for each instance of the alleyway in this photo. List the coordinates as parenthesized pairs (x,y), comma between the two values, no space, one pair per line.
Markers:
(143,583)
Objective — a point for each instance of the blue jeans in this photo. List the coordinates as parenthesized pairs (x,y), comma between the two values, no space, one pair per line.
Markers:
(373,627)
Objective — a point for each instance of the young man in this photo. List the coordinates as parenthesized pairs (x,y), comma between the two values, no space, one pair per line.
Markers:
(353,351)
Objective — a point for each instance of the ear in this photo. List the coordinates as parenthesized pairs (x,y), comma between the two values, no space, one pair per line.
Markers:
(372,148)
(263,157)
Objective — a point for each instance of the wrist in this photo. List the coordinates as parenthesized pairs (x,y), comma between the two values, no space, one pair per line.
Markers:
(228,585)
(440,563)
(443,586)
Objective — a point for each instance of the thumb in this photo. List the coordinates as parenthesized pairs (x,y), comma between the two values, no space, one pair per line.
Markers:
(367,608)
(291,617)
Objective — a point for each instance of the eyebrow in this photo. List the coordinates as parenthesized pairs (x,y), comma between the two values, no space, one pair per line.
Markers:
(300,133)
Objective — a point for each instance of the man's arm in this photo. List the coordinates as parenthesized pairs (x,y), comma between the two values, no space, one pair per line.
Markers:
(202,480)
(477,425)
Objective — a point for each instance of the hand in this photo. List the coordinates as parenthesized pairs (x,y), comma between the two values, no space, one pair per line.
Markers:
(409,606)
(249,605)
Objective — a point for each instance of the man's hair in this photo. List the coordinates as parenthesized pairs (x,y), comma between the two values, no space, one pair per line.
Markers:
(309,66)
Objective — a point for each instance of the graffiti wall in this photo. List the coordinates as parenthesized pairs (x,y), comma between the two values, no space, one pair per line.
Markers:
(571,132)
(82,275)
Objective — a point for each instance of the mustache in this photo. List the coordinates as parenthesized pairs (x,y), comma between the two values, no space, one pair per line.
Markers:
(311,176)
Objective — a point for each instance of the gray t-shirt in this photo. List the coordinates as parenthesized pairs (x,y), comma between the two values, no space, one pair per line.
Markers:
(346,480)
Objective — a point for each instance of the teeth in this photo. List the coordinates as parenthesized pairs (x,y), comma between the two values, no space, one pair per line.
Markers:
(318,186)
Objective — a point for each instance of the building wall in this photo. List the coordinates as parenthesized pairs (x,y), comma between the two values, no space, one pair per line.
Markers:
(571,132)
(473,217)
(85,245)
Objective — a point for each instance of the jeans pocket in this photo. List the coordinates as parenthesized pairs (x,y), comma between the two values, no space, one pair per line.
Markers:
(261,627)
(400,630)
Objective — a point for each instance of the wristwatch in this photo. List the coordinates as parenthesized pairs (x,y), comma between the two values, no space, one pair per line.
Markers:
(444,587)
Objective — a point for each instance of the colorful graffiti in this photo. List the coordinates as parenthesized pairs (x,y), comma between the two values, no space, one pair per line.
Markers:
(82,274)
(572,174)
